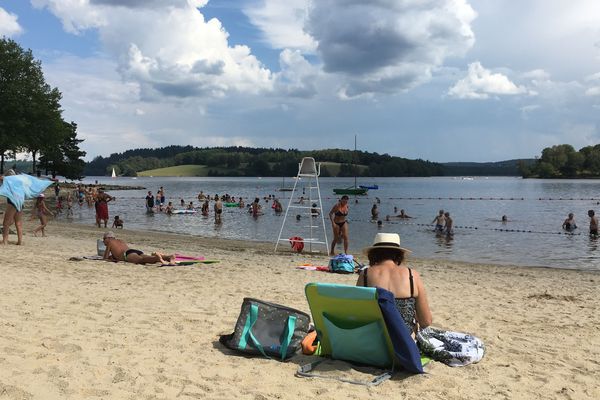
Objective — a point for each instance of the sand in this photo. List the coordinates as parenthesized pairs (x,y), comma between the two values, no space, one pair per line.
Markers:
(93,329)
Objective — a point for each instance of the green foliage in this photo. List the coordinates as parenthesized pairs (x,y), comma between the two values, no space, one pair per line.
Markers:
(245,161)
(563,161)
(31,115)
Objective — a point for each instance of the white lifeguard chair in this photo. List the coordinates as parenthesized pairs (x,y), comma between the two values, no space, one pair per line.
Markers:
(307,227)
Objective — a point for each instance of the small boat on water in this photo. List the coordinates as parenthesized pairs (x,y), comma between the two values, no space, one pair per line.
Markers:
(373,187)
(114,175)
(352,190)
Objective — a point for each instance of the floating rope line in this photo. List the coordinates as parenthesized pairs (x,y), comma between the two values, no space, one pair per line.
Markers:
(476,228)
(472,198)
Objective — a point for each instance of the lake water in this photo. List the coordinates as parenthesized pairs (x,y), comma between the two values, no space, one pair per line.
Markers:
(533,235)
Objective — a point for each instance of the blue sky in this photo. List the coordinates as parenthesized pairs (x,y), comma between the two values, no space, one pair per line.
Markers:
(443,80)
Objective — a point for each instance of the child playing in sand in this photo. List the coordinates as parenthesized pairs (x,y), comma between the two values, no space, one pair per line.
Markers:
(118,222)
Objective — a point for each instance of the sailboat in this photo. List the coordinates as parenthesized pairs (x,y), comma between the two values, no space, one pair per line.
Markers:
(352,190)
(114,175)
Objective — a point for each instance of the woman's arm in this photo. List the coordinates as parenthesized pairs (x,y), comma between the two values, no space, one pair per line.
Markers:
(332,212)
(361,279)
(424,317)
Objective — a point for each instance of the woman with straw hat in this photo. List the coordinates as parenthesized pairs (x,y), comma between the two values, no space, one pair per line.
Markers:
(388,270)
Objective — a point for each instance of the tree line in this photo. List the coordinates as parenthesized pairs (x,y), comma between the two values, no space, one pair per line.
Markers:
(247,161)
(31,118)
(563,161)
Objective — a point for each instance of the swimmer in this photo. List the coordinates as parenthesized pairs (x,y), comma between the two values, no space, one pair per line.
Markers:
(439,221)
(569,223)
(593,223)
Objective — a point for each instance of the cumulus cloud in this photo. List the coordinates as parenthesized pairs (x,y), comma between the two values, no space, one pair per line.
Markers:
(167,47)
(388,45)
(9,26)
(297,77)
(150,3)
(282,23)
(481,83)
(377,46)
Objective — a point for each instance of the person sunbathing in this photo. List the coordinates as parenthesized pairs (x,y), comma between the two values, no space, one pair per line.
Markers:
(388,271)
(118,250)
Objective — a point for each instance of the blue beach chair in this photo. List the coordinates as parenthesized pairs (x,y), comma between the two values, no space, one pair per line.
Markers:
(361,325)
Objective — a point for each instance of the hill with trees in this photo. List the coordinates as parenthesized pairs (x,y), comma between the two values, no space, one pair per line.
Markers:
(563,161)
(246,161)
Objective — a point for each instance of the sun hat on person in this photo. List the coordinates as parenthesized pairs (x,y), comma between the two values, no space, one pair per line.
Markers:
(108,235)
(386,241)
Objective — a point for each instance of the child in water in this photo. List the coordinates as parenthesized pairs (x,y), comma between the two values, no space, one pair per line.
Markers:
(118,222)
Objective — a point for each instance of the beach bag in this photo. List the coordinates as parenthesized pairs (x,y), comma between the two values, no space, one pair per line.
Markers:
(100,247)
(455,349)
(342,264)
(267,329)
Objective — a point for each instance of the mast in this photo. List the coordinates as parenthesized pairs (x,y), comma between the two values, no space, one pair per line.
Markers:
(354,161)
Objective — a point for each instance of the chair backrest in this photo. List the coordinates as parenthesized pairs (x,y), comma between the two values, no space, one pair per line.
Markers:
(308,166)
(351,326)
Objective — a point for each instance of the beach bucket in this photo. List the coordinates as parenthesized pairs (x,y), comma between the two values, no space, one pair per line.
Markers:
(101,247)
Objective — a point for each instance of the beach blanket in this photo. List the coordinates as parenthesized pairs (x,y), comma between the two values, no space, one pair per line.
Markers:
(18,188)
(184,263)
(81,258)
(182,257)
(455,349)
(314,268)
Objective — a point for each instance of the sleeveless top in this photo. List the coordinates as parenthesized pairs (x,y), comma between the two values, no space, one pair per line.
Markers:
(405,306)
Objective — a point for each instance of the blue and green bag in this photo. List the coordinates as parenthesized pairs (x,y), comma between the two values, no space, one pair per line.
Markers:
(342,264)
(267,329)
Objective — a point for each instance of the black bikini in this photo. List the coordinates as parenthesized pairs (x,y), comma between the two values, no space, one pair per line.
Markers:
(406,306)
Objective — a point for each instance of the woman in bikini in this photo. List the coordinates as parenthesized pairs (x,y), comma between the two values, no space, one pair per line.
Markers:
(339,224)
(388,271)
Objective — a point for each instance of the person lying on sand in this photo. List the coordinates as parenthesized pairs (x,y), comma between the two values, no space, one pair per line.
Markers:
(118,250)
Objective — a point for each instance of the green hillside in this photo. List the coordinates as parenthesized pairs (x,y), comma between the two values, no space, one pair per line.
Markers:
(177,170)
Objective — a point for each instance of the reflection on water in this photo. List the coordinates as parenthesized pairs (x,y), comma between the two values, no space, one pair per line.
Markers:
(532,235)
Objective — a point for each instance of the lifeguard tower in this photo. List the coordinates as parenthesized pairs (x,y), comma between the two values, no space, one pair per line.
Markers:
(307,222)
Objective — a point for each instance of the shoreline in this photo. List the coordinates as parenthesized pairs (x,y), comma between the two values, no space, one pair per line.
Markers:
(82,329)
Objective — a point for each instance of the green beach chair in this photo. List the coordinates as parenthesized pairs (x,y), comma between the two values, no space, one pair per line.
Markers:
(360,325)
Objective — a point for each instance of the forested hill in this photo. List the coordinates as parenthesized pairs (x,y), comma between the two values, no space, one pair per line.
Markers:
(500,168)
(246,161)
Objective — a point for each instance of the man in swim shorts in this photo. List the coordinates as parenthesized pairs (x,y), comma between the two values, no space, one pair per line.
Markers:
(118,250)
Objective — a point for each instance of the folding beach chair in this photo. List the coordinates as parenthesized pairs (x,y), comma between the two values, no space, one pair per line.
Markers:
(361,325)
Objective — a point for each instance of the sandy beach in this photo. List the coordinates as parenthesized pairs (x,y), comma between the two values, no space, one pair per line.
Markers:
(93,329)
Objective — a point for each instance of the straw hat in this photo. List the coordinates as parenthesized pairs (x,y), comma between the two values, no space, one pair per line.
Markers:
(386,241)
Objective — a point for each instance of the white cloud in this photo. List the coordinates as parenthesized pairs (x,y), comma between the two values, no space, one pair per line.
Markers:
(536,75)
(593,91)
(282,23)
(297,77)
(9,26)
(379,46)
(167,47)
(481,83)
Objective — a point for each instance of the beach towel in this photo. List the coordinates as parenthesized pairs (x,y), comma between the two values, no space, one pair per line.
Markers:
(314,268)
(182,257)
(184,263)
(18,188)
(455,349)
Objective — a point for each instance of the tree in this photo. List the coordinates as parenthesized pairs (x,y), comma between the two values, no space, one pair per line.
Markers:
(30,112)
